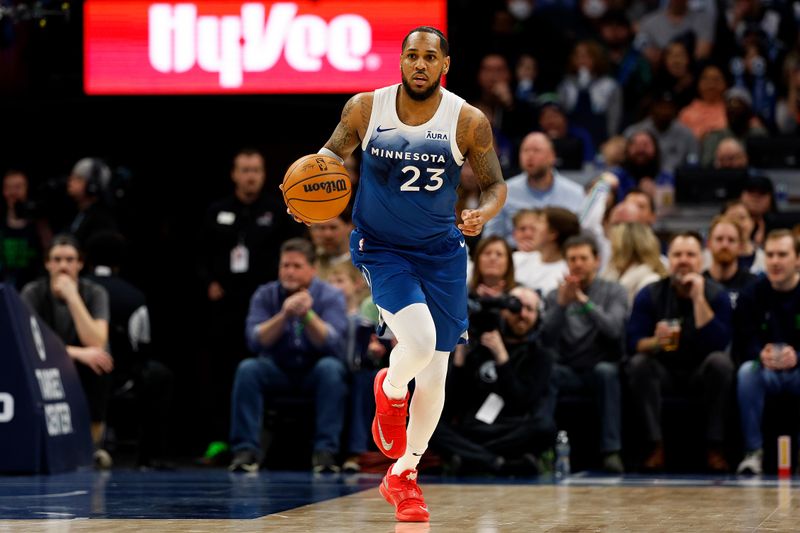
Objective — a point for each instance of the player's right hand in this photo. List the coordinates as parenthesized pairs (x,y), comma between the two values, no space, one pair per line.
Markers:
(291,213)
(472,222)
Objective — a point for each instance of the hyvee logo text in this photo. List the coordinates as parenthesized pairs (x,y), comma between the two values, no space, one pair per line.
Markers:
(179,39)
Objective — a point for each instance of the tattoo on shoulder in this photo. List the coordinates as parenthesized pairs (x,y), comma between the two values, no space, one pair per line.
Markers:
(463,130)
(342,138)
(349,107)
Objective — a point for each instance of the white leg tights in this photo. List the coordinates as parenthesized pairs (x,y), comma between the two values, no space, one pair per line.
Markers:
(416,340)
(415,357)
(424,411)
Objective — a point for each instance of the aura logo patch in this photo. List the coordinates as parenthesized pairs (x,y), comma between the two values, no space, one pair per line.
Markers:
(432,135)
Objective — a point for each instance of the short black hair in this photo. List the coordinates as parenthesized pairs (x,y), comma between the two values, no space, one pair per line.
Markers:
(638,190)
(301,245)
(444,46)
(581,239)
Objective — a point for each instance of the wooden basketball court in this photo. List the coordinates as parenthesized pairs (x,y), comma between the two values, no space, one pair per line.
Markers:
(215,501)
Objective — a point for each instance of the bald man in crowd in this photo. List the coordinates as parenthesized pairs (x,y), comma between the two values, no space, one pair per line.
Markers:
(538,185)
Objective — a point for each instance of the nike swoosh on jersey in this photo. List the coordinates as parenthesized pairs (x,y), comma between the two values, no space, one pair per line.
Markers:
(379,130)
(386,445)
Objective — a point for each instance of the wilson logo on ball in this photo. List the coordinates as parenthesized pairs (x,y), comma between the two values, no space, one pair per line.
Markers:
(327,186)
(316,188)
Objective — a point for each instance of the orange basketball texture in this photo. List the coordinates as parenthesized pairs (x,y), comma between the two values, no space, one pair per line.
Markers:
(316,188)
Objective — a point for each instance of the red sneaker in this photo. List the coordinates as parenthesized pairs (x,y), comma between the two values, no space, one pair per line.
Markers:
(389,424)
(403,492)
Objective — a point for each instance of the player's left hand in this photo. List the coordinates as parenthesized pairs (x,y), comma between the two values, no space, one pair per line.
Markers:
(472,222)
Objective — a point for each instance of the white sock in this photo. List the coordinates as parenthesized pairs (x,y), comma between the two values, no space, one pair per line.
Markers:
(416,341)
(424,411)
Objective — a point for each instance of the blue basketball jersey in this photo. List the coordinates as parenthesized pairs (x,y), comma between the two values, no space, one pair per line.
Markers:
(409,174)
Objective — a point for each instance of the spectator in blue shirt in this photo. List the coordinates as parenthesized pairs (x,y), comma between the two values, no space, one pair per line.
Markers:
(296,325)
(538,185)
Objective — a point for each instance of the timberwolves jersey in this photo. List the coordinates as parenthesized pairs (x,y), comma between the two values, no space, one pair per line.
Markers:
(409,174)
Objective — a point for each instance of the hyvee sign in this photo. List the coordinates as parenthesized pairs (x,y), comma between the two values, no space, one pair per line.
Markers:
(137,47)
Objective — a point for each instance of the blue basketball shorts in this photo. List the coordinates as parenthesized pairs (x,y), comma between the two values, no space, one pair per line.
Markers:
(401,277)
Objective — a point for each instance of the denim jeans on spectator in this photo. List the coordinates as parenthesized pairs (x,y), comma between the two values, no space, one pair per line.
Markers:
(260,377)
(754,384)
(602,383)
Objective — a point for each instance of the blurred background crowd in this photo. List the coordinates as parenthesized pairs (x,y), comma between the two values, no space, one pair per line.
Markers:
(619,125)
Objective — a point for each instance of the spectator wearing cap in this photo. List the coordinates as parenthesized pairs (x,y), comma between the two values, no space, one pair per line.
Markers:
(742,124)
(567,138)
(86,186)
(730,153)
(706,112)
(758,196)
(675,141)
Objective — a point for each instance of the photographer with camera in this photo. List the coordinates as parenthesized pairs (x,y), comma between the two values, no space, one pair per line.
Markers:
(584,324)
(494,419)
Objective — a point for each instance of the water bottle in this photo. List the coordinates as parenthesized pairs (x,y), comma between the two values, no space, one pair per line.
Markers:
(562,455)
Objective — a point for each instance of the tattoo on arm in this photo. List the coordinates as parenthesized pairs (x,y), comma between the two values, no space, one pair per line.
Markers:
(484,162)
(344,139)
(484,159)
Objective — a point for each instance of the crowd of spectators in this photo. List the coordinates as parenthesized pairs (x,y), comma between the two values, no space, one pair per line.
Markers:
(576,288)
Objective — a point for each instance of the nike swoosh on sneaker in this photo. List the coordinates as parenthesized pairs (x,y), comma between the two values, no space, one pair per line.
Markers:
(379,130)
(386,445)
(424,508)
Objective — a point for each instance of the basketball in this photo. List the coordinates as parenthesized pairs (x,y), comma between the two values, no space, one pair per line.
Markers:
(316,188)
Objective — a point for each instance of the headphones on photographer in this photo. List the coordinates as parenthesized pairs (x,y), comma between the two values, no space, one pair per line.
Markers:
(99,177)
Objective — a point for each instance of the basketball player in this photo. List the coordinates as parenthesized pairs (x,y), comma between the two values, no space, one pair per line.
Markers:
(415,137)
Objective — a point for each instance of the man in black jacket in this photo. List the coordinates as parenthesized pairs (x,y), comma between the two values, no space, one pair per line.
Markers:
(240,245)
(767,339)
(495,416)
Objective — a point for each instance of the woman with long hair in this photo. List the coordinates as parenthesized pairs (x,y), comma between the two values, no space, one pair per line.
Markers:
(635,257)
(493,273)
